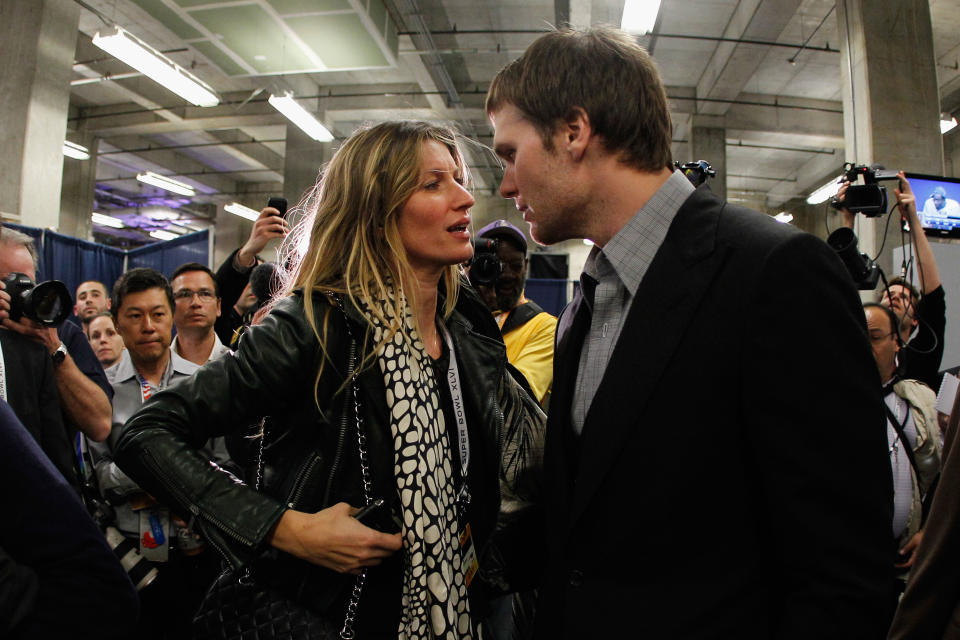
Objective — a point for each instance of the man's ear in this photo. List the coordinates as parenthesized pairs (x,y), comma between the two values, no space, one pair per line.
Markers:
(577,132)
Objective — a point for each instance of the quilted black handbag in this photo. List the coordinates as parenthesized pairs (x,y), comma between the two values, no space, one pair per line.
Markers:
(236,607)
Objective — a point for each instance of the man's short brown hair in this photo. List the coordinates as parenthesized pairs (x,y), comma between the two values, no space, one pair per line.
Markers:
(604,72)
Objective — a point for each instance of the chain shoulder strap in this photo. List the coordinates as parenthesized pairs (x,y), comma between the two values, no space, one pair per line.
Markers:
(347,632)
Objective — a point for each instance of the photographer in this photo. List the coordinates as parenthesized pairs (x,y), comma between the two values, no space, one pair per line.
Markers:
(80,382)
(921,314)
(527,329)
(913,437)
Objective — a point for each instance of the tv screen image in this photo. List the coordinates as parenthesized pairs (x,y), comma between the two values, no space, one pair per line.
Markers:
(938,203)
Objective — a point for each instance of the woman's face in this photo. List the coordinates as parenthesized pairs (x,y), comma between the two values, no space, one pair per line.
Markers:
(105,340)
(434,222)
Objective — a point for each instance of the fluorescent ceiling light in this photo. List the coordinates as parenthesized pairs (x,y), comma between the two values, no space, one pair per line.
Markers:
(947,122)
(73,150)
(238,209)
(784,217)
(156,66)
(639,16)
(299,116)
(825,192)
(160,234)
(107,221)
(166,183)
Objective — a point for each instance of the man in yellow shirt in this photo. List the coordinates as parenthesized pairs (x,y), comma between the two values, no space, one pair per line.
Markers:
(527,329)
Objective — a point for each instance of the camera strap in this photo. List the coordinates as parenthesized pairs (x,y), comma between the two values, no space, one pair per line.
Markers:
(3,378)
(463,436)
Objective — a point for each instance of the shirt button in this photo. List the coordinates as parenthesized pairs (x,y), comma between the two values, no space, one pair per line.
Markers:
(576,578)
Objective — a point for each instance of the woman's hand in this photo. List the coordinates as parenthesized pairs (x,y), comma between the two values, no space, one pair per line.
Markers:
(333,538)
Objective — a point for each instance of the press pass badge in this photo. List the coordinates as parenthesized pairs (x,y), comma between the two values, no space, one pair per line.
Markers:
(468,555)
(155,534)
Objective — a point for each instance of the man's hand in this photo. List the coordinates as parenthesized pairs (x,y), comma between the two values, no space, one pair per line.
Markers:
(333,538)
(910,550)
(268,226)
(47,336)
(848,216)
(906,201)
(4,303)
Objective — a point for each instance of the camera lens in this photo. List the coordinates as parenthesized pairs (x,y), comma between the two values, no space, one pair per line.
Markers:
(48,303)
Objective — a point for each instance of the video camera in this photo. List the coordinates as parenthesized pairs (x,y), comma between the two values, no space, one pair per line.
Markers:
(485,266)
(868,198)
(696,172)
(48,303)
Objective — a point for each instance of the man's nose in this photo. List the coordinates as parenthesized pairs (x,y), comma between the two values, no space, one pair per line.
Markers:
(508,186)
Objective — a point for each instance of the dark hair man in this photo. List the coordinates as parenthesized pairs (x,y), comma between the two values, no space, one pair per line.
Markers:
(196,309)
(82,387)
(143,308)
(922,315)
(911,422)
(527,329)
(92,298)
(706,476)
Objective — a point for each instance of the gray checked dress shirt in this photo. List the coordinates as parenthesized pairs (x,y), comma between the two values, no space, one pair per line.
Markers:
(612,275)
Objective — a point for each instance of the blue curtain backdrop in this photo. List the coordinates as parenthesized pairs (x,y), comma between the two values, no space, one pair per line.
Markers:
(73,261)
(167,256)
(550,294)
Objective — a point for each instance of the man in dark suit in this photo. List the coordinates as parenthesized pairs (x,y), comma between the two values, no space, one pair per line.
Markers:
(716,462)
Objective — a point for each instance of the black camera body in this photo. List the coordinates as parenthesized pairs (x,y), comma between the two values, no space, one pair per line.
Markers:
(869,198)
(485,266)
(48,303)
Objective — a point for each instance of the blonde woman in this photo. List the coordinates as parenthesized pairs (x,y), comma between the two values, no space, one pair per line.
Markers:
(440,421)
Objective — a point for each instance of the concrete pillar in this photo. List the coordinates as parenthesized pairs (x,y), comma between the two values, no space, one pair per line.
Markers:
(77,192)
(891,100)
(37,43)
(302,162)
(709,142)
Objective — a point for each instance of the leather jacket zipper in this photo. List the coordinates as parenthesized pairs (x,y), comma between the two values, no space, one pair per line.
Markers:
(342,436)
(174,488)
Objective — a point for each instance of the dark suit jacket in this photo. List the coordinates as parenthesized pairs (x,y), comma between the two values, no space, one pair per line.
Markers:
(32,394)
(731,480)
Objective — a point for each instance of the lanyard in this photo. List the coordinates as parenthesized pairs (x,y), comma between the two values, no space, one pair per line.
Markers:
(3,378)
(463,436)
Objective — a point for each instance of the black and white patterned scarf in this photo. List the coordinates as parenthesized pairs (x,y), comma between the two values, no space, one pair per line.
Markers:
(435,603)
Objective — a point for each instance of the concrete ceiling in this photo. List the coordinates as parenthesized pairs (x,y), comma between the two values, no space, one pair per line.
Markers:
(433,59)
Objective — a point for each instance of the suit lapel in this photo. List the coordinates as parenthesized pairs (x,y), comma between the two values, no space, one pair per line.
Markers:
(666,301)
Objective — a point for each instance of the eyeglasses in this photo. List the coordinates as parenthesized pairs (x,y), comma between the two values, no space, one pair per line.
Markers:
(205,295)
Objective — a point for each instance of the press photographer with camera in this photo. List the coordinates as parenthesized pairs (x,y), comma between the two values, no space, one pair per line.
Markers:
(82,387)
(499,272)
(921,314)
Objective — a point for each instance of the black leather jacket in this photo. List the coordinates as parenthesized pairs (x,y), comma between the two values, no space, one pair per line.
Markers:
(310,453)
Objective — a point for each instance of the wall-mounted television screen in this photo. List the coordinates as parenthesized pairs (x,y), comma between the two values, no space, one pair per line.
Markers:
(938,204)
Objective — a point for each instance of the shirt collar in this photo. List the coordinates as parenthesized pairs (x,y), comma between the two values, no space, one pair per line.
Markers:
(628,255)
(217,350)
(126,371)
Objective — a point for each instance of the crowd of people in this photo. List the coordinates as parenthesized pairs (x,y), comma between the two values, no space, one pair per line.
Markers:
(715,439)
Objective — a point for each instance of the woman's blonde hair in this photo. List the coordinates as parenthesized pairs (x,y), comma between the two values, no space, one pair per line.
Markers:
(348,242)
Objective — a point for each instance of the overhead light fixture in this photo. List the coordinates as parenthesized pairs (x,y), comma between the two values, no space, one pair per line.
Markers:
(160,234)
(126,47)
(107,221)
(825,192)
(238,209)
(166,183)
(784,217)
(73,150)
(639,16)
(947,122)
(299,116)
